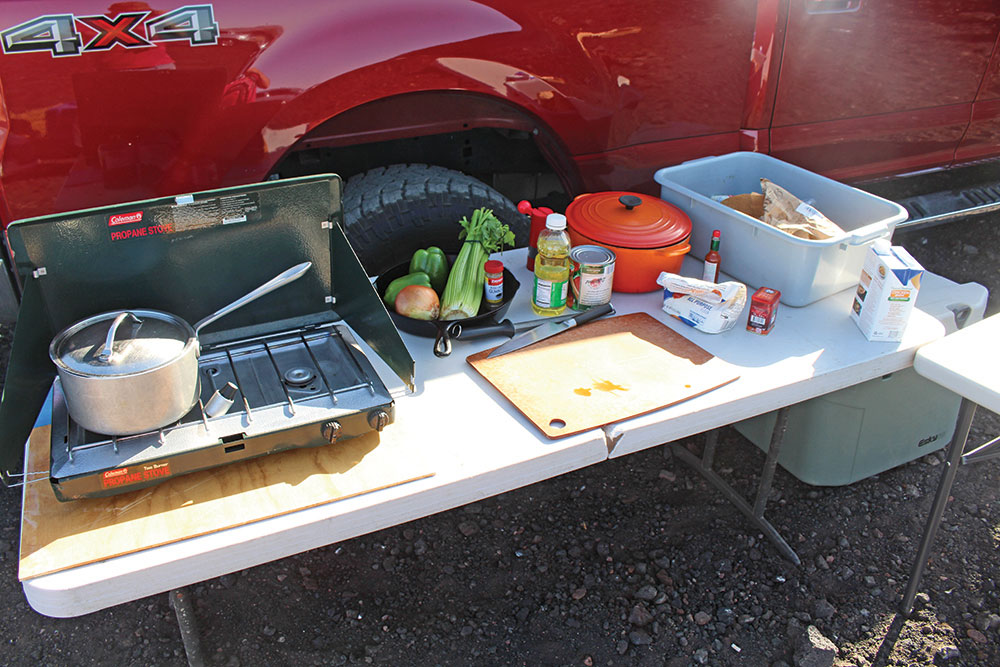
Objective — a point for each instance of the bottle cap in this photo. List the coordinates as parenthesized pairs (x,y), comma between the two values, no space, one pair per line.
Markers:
(882,246)
(493,266)
(716,234)
(555,221)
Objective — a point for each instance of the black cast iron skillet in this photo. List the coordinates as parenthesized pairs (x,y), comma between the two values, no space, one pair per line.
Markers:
(440,330)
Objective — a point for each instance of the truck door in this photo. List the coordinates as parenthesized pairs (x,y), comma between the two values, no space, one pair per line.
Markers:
(870,87)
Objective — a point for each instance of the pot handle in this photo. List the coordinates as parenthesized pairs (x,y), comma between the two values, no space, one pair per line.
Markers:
(105,356)
(442,341)
(674,250)
(279,280)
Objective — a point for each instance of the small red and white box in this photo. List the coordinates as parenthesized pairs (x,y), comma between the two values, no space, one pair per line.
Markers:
(763,310)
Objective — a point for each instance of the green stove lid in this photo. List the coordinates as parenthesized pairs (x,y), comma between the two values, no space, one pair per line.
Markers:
(187,255)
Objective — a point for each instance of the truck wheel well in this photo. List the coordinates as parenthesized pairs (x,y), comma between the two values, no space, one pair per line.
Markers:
(506,159)
(391,211)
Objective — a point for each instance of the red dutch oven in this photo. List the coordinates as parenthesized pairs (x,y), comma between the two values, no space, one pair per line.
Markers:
(647,235)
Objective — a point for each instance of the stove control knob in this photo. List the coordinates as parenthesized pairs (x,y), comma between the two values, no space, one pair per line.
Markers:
(331,430)
(378,419)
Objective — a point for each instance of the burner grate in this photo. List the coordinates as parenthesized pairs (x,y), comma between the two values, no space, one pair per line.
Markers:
(259,368)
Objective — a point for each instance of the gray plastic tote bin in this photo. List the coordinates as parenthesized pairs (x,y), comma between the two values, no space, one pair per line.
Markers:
(763,256)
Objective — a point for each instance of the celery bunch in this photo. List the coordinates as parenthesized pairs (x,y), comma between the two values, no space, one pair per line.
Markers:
(483,234)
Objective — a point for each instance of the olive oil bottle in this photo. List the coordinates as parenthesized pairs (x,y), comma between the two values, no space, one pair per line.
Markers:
(551,282)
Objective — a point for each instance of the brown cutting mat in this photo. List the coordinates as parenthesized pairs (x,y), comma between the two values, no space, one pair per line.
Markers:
(57,536)
(603,372)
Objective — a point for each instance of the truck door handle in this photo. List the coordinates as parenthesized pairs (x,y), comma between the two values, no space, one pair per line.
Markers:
(832,6)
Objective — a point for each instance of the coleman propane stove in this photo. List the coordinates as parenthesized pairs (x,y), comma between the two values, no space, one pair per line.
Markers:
(286,371)
(295,389)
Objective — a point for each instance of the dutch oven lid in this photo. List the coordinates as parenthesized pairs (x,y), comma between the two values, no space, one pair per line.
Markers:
(628,220)
(156,339)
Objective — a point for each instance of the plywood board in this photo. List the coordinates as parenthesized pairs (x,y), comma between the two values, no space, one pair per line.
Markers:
(57,536)
(603,372)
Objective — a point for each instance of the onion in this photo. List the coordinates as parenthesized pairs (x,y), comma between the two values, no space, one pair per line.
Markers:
(418,302)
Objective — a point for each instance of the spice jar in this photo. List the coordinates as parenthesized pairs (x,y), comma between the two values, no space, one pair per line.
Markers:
(494,282)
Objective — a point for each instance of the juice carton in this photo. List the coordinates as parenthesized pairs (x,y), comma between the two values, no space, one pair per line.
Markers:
(886,292)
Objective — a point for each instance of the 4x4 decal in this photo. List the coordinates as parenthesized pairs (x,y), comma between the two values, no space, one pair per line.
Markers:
(58,34)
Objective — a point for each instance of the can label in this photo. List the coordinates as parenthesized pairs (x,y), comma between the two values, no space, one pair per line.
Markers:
(591,277)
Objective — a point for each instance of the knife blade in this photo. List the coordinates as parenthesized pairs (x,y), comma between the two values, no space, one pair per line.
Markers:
(549,329)
(504,328)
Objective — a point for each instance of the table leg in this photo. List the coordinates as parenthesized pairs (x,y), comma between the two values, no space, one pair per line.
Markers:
(756,512)
(955,450)
(180,600)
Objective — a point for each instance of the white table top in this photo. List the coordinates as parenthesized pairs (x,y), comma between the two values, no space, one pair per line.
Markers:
(966,362)
(811,351)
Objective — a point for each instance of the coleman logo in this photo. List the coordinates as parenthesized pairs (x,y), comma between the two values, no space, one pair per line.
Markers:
(125,218)
(127,476)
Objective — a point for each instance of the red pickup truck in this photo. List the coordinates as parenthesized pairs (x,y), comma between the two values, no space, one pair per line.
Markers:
(430,107)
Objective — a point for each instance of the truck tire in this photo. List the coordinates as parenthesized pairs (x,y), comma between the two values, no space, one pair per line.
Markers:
(391,211)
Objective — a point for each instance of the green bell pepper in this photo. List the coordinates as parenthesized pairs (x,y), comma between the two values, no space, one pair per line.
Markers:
(434,263)
(396,286)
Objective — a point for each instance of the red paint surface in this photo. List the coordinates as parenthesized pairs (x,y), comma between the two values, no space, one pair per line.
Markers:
(616,90)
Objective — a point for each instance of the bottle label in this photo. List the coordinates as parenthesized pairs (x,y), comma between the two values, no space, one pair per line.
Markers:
(550,294)
(711,273)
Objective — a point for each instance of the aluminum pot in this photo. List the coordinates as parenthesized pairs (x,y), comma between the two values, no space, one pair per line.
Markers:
(132,371)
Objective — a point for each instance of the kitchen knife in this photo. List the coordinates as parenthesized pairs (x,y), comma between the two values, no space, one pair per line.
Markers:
(505,328)
(549,329)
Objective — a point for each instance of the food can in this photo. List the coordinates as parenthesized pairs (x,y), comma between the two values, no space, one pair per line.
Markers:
(763,310)
(593,269)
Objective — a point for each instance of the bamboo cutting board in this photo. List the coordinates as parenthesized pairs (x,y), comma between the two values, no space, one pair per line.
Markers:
(603,372)
(57,536)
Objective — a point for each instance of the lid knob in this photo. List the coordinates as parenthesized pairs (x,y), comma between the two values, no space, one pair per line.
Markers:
(629,201)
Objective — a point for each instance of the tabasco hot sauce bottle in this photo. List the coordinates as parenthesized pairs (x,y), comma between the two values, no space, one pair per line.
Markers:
(712,260)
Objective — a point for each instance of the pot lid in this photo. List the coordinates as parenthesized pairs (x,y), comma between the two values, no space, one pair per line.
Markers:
(628,220)
(144,340)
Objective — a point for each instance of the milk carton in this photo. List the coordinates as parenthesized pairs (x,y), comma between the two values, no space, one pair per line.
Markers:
(886,292)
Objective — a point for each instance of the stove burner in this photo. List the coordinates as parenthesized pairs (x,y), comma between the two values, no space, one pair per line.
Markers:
(290,385)
(298,377)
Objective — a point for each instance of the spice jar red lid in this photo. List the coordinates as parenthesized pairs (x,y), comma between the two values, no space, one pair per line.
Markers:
(628,220)
(493,266)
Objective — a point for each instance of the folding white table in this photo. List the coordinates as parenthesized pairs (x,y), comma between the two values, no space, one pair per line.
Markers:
(479,445)
(967,363)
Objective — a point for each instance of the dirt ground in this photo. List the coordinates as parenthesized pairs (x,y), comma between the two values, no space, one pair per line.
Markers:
(635,561)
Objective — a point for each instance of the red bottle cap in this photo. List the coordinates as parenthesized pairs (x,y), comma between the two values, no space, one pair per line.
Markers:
(493,266)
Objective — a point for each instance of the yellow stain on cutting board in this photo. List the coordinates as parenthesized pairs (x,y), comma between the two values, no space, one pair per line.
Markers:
(600,385)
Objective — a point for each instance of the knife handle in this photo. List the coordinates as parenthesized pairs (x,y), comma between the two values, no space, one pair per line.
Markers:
(591,314)
(505,328)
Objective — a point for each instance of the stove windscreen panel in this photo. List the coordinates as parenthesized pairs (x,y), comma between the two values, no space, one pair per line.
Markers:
(188,255)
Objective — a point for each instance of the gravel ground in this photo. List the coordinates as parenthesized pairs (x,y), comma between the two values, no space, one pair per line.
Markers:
(634,561)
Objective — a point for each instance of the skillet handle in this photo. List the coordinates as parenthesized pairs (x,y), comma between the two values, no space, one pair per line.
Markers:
(442,341)
(505,328)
